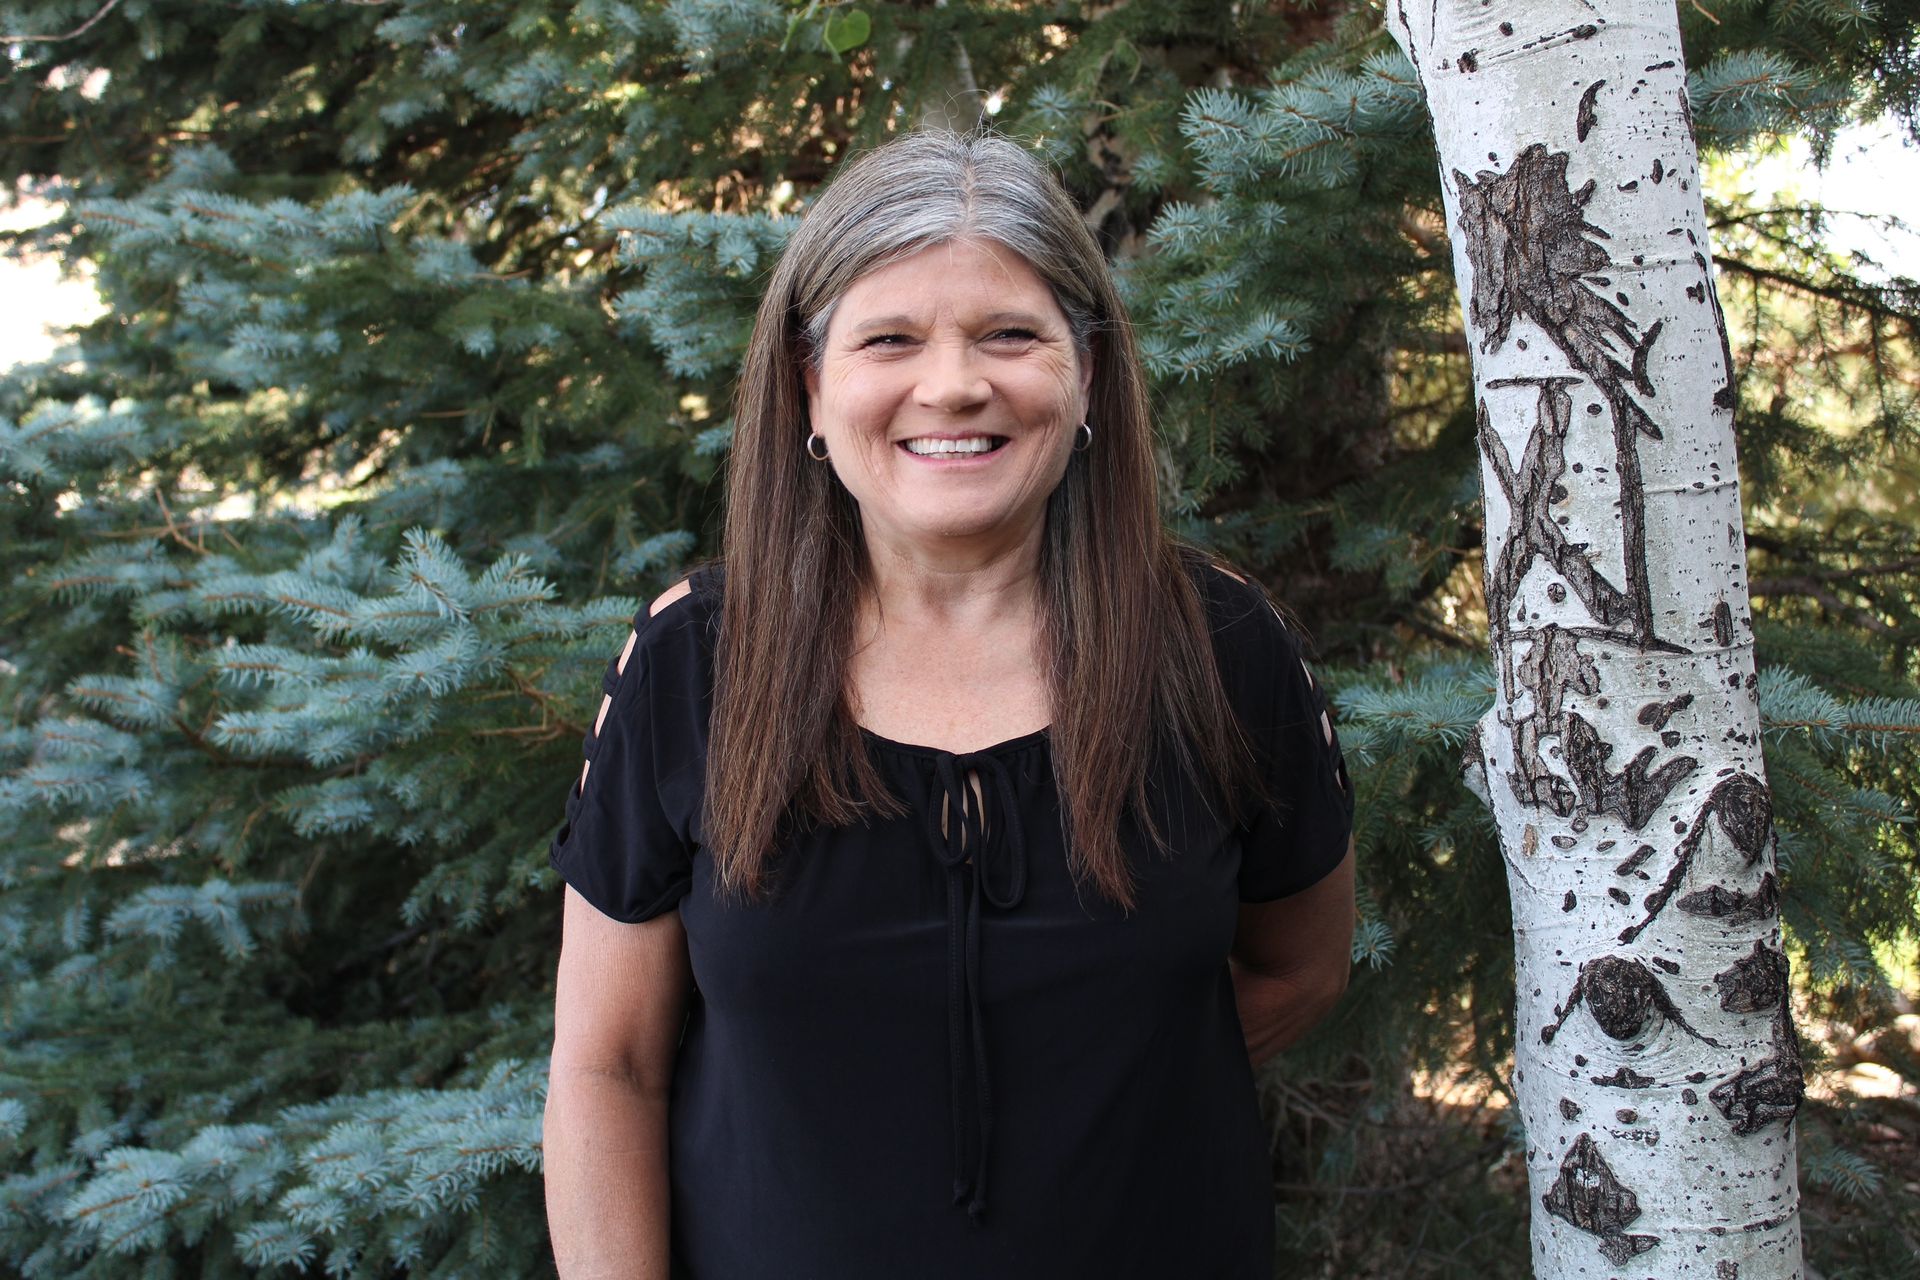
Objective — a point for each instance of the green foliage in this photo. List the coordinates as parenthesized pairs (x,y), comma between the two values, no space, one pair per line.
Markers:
(415,387)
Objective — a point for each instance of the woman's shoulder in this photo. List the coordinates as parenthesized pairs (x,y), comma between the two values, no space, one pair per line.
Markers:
(1239,608)
(695,599)
(674,633)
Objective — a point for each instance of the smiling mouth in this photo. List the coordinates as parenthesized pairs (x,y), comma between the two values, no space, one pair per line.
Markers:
(965,446)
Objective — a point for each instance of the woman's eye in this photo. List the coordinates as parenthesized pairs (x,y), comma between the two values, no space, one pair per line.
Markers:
(888,339)
(1021,335)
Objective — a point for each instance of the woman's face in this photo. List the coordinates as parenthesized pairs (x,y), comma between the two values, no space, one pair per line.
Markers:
(949,395)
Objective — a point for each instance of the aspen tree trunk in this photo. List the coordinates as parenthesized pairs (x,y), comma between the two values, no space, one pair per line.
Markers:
(1656,1066)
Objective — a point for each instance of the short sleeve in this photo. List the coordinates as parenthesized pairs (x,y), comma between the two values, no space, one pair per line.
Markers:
(1300,832)
(626,844)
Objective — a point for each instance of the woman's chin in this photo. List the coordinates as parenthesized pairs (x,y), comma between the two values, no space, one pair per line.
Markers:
(946,528)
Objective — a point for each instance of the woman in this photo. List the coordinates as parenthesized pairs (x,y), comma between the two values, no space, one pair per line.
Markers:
(938,871)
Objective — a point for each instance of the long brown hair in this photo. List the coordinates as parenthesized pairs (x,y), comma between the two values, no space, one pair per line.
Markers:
(1131,666)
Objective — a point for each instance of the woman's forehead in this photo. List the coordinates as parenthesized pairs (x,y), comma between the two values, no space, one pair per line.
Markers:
(977,281)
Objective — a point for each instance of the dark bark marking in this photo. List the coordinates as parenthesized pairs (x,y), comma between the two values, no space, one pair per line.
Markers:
(1726,397)
(1569,1109)
(1620,1250)
(1660,66)
(1756,982)
(1506,28)
(1656,714)
(1585,31)
(1470,61)
(1623,998)
(1723,624)
(1768,1091)
(1689,1097)
(1553,667)
(1621,995)
(1412,46)
(1659,171)
(1724,1270)
(1762,1224)
(1642,382)
(1587,1193)
(1625,1078)
(1741,805)
(1665,965)
(1591,1196)
(1626,1115)
(1569,902)
(1730,906)
(1531,247)
(1529,491)
(1630,422)
(1585,118)
(1745,810)
(1634,860)
(1636,792)
(1619,895)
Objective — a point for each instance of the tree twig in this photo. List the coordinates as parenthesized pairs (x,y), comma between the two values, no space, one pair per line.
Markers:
(1812,590)
(79,30)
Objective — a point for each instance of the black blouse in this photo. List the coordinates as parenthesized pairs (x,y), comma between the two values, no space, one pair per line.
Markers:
(894,1066)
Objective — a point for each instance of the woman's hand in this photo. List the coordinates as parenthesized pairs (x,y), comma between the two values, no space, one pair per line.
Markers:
(1290,960)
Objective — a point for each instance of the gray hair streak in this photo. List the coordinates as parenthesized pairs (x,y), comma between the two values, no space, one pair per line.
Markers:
(931,188)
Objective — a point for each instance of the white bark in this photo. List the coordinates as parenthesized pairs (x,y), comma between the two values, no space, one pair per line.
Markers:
(1656,1066)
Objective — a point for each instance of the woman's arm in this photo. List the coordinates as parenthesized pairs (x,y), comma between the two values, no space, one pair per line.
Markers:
(1290,959)
(619,1005)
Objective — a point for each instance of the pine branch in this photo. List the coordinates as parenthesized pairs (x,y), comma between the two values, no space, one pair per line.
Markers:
(80,30)
(1801,585)
(1860,298)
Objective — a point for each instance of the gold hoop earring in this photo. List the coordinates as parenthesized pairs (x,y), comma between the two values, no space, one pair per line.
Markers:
(817,447)
(1082,438)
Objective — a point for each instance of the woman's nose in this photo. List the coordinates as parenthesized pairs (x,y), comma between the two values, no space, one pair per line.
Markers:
(950,379)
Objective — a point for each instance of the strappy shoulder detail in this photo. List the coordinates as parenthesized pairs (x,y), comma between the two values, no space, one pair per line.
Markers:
(632,813)
(1301,834)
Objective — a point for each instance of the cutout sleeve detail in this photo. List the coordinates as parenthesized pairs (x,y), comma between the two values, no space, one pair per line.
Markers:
(1293,841)
(627,842)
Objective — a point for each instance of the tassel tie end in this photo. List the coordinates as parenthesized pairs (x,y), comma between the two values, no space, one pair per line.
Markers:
(962,836)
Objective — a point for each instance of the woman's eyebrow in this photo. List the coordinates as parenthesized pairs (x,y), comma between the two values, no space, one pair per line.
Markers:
(1026,318)
(883,322)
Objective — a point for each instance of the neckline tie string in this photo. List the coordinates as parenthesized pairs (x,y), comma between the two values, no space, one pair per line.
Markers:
(967,833)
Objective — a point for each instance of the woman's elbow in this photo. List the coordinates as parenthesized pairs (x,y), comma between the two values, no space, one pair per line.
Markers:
(1323,988)
(1277,1012)
(1338,974)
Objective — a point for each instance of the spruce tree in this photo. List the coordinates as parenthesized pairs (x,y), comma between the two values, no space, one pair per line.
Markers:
(415,385)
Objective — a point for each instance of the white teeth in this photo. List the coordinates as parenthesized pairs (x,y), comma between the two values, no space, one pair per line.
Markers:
(971,444)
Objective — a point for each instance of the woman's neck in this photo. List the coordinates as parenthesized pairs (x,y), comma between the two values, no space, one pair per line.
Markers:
(970,585)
